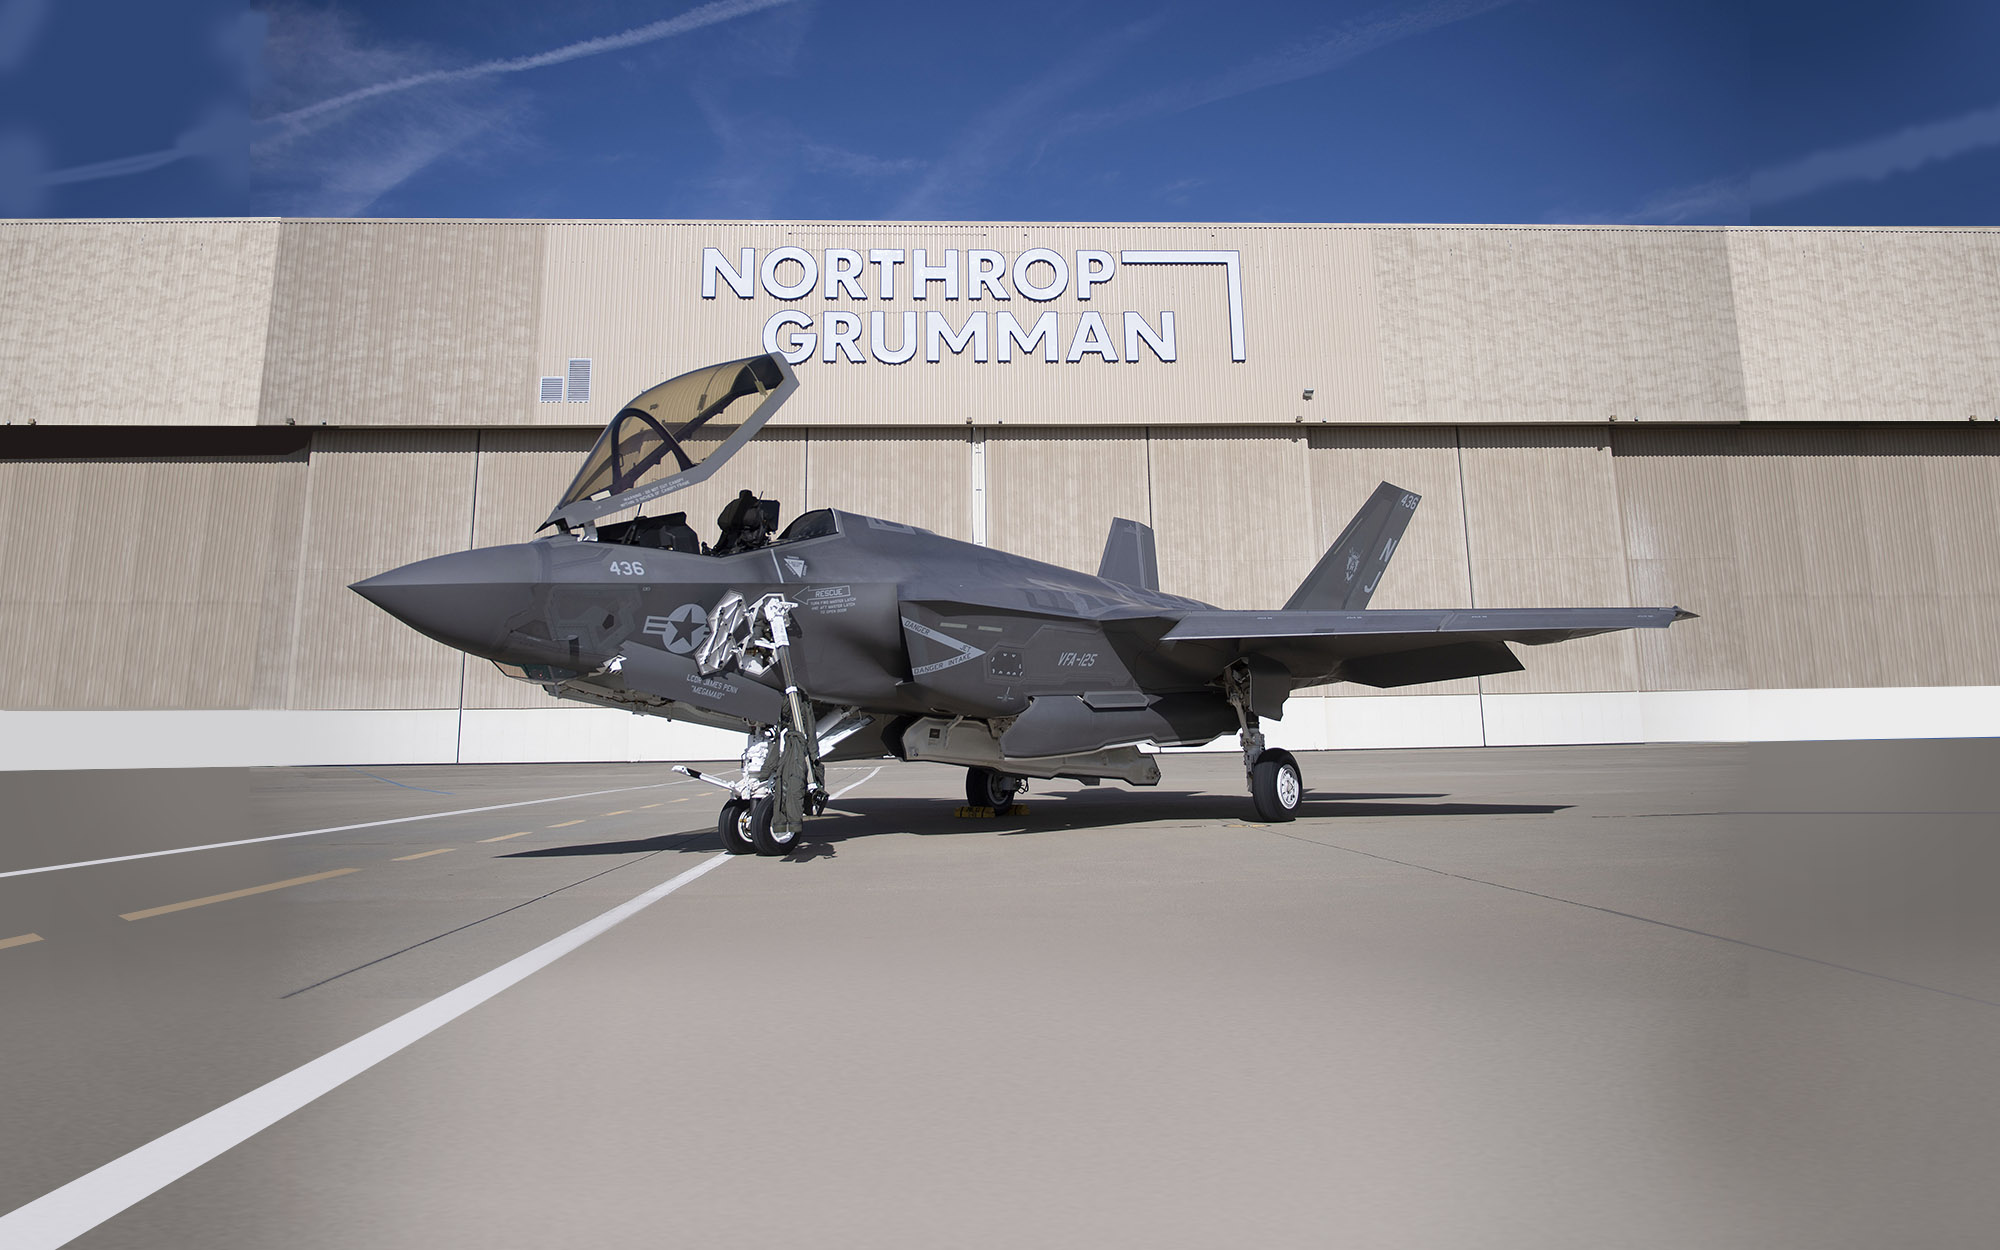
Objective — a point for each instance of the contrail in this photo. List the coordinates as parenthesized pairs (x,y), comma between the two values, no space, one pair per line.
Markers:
(1868,161)
(667,28)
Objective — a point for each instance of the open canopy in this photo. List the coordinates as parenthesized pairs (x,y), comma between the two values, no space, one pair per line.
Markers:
(674,435)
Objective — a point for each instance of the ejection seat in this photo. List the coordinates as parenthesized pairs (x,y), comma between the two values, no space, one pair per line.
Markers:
(668,533)
(746,524)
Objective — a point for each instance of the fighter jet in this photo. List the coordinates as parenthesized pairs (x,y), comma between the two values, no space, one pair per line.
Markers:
(845,636)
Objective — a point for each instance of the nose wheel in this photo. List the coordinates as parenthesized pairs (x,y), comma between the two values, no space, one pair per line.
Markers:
(745,826)
(734,825)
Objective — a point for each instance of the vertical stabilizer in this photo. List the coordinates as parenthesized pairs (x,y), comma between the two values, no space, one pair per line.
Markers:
(1129,557)
(1345,578)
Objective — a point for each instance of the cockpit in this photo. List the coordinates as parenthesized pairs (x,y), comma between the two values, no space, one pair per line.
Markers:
(673,436)
(745,524)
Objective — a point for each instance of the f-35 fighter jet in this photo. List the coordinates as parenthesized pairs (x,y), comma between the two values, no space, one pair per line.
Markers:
(850,637)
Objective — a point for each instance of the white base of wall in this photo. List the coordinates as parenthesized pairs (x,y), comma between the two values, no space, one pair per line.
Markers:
(212,739)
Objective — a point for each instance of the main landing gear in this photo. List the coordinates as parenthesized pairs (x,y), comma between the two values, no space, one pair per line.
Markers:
(1276,787)
(990,788)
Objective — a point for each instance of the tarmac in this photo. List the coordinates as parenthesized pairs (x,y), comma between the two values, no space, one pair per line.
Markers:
(1662,996)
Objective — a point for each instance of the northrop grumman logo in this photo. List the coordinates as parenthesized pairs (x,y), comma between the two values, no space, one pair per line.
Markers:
(858,335)
(682,630)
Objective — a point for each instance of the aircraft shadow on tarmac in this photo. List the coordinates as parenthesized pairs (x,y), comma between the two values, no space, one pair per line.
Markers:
(1052,813)
(682,841)
(1058,813)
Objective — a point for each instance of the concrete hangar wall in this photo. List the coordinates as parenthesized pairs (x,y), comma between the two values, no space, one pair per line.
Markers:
(214,426)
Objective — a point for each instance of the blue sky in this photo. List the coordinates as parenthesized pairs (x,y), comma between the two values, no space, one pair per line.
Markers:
(1699,111)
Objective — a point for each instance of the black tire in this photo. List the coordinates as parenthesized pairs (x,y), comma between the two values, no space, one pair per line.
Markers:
(767,840)
(986,787)
(730,825)
(1276,788)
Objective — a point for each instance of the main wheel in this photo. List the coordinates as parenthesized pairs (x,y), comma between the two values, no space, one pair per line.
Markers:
(769,841)
(986,787)
(733,825)
(1276,787)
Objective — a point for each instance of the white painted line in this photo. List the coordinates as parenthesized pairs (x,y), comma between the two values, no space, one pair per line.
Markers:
(844,789)
(59,1216)
(307,833)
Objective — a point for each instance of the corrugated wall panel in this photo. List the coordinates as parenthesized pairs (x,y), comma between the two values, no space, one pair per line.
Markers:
(521,473)
(1051,494)
(404,323)
(1542,515)
(917,477)
(1484,325)
(1429,569)
(170,598)
(452,323)
(135,322)
(1817,557)
(1683,530)
(1880,593)
(376,500)
(1227,507)
(1869,325)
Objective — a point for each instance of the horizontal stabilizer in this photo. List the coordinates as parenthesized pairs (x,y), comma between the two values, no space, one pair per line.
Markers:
(1346,576)
(1129,556)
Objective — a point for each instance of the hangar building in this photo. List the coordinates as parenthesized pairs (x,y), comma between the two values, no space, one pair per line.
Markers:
(215,426)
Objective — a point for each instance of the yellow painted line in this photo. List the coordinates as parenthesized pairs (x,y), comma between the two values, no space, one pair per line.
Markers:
(622,812)
(443,850)
(643,806)
(566,824)
(223,898)
(505,836)
(23,940)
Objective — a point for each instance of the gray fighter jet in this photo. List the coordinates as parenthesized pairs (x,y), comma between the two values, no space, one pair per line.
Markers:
(849,637)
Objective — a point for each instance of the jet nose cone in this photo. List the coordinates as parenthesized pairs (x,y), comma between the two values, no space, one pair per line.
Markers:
(468,599)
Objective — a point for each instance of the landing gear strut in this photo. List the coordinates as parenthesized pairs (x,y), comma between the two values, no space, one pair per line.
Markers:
(1276,786)
(987,787)
(782,780)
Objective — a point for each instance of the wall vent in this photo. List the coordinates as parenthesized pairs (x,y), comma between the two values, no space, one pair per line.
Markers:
(552,390)
(579,381)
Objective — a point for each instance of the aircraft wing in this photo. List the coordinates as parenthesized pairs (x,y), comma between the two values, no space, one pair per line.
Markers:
(1398,647)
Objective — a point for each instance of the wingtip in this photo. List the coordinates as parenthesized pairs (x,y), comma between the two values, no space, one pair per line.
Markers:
(1682,614)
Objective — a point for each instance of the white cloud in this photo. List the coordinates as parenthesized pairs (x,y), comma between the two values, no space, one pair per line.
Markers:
(692,20)
(1871,160)
(347,119)
(1326,51)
